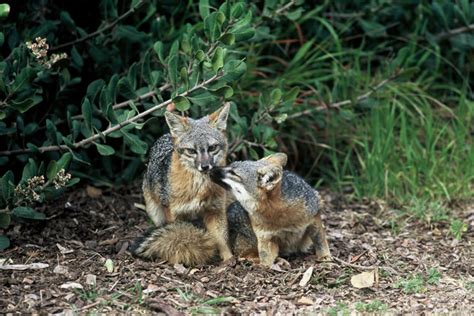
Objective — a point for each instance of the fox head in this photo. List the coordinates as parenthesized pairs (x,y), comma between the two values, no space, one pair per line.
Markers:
(200,143)
(252,181)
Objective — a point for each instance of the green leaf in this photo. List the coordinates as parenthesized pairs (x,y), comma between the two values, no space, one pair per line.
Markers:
(67,20)
(24,105)
(130,34)
(173,70)
(228,39)
(125,88)
(63,162)
(225,91)
(244,34)
(233,70)
(184,77)
(136,144)
(237,10)
(204,8)
(182,103)
(6,186)
(2,115)
(291,96)
(372,29)
(29,170)
(294,15)
(28,212)
(158,47)
(213,24)
(87,113)
(275,96)
(104,150)
(4,242)
(5,220)
(4,10)
(52,170)
(200,55)
(218,59)
(2,39)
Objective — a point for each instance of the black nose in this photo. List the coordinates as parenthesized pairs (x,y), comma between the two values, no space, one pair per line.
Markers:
(205,167)
(217,175)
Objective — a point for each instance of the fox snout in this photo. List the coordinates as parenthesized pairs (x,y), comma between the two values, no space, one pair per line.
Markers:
(203,162)
(217,175)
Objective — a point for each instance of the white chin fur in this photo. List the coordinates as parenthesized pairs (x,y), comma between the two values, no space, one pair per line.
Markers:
(241,194)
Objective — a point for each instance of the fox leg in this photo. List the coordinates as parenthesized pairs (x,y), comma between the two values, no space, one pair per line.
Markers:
(153,208)
(319,238)
(216,225)
(267,251)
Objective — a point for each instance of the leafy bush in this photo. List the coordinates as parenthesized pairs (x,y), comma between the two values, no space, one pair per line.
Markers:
(373,97)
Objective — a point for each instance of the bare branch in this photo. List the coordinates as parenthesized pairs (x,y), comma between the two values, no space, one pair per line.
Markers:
(114,128)
(345,102)
(454,32)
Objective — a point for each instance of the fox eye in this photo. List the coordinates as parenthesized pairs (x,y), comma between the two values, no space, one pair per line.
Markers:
(213,148)
(232,173)
(190,151)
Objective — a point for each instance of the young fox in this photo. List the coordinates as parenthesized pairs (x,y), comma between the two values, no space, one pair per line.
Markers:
(177,188)
(283,209)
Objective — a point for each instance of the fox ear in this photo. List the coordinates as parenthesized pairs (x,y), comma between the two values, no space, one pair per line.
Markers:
(177,124)
(278,159)
(218,119)
(269,177)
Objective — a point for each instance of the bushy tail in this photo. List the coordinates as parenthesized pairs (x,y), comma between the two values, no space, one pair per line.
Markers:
(179,242)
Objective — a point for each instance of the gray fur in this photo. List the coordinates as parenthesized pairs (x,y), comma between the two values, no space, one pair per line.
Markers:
(239,223)
(159,166)
(292,186)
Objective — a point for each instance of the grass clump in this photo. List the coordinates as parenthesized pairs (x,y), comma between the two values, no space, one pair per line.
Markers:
(371,307)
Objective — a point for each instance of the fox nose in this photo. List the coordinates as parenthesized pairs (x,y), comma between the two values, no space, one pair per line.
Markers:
(205,167)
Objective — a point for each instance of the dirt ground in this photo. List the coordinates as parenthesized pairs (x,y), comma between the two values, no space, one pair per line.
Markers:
(88,269)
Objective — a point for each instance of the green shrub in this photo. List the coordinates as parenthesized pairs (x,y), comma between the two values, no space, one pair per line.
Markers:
(372,96)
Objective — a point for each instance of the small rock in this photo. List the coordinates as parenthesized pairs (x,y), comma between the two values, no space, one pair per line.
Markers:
(204,279)
(28,281)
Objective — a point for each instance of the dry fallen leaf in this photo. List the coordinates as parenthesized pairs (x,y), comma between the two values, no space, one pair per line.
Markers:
(109,264)
(71,285)
(64,250)
(306,276)
(32,266)
(365,279)
(59,269)
(93,192)
(91,279)
(151,288)
(304,300)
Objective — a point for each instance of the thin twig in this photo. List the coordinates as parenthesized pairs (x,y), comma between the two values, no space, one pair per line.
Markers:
(454,32)
(101,30)
(345,102)
(113,128)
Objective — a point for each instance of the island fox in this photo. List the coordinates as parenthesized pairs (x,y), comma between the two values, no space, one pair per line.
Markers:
(177,189)
(281,208)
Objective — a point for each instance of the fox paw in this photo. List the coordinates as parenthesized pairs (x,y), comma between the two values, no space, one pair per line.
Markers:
(231,262)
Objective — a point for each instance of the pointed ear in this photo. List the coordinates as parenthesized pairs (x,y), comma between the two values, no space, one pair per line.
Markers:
(218,119)
(177,124)
(278,159)
(269,177)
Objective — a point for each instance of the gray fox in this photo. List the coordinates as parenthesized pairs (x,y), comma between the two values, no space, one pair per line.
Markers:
(177,188)
(281,208)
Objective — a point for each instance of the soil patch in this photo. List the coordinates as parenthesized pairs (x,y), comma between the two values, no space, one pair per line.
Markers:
(85,240)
